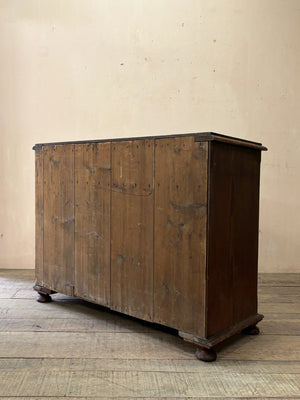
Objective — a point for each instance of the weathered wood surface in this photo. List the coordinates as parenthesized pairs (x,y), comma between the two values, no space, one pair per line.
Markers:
(113,384)
(279,279)
(283,308)
(147,398)
(94,324)
(97,318)
(58,273)
(105,322)
(132,228)
(8,293)
(180,234)
(146,365)
(141,398)
(15,276)
(141,345)
(92,222)
(86,352)
(39,215)
(279,294)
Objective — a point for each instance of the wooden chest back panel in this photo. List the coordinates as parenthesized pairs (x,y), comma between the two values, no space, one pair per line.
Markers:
(132,167)
(58,264)
(132,228)
(163,229)
(92,222)
(180,233)
(233,235)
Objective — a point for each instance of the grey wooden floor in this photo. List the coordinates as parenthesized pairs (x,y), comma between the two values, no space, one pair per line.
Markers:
(75,350)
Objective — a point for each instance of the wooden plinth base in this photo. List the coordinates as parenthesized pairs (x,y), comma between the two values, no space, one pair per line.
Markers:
(205,351)
(251,330)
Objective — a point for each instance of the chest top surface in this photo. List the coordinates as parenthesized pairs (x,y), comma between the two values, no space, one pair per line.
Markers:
(198,137)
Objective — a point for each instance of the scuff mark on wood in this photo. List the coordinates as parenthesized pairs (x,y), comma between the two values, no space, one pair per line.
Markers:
(94,234)
(54,162)
(189,207)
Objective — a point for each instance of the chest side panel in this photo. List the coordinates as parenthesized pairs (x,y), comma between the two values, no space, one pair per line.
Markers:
(233,236)
(180,234)
(92,221)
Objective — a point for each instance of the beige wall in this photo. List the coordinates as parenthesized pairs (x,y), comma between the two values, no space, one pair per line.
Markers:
(85,69)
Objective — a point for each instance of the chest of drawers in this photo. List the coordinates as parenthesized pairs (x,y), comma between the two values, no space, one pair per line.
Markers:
(164,229)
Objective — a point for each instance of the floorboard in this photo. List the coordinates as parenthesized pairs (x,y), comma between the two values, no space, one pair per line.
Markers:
(71,349)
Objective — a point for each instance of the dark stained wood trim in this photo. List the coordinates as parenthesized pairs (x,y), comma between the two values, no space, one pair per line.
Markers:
(207,232)
(220,337)
(232,236)
(42,289)
(199,137)
(230,140)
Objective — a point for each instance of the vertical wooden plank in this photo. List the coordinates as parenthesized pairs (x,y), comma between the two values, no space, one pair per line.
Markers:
(233,235)
(92,221)
(180,234)
(59,218)
(132,228)
(39,215)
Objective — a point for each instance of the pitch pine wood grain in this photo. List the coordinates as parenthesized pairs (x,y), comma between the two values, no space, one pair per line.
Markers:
(148,398)
(273,294)
(39,215)
(283,308)
(106,322)
(103,324)
(141,345)
(7,293)
(68,314)
(132,228)
(279,279)
(92,222)
(113,384)
(180,233)
(72,349)
(145,365)
(59,218)
(15,276)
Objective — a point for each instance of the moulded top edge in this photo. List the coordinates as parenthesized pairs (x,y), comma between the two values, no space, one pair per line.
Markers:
(210,136)
(199,137)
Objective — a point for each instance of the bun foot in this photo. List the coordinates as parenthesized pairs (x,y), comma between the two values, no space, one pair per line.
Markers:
(251,330)
(43,294)
(43,298)
(207,355)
